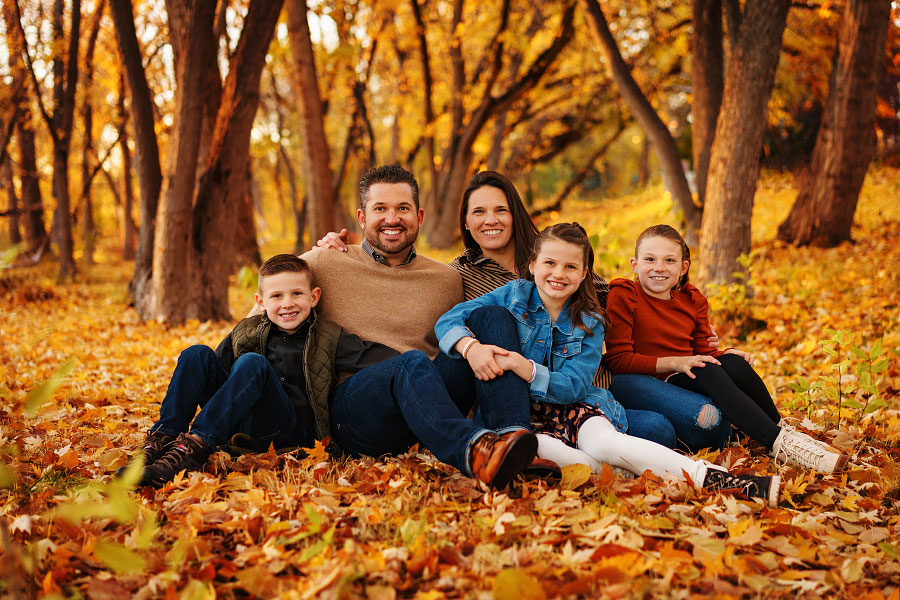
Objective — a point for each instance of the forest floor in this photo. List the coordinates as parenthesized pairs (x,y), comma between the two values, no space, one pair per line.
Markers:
(822,323)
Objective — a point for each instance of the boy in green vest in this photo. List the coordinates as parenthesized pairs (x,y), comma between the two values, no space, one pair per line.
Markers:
(270,378)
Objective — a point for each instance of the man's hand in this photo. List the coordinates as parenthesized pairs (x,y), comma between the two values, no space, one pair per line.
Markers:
(745,355)
(336,241)
(684,364)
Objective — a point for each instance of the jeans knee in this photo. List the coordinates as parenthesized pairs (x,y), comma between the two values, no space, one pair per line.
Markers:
(488,315)
(708,417)
(250,361)
(414,358)
(197,352)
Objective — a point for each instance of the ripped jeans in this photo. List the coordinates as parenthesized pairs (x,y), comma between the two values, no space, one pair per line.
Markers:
(698,423)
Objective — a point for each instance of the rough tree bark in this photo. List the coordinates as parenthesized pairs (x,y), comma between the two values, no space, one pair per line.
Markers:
(319,179)
(706,85)
(171,296)
(655,130)
(441,228)
(823,212)
(734,159)
(146,150)
(223,190)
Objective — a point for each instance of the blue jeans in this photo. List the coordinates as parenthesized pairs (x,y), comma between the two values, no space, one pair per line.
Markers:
(388,407)
(650,425)
(697,422)
(249,399)
(503,402)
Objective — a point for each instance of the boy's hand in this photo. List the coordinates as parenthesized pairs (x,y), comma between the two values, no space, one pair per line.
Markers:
(684,364)
(336,241)
(483,360)
(745,355)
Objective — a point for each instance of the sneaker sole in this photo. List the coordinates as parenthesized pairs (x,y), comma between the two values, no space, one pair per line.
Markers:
(774,490)
(518,456)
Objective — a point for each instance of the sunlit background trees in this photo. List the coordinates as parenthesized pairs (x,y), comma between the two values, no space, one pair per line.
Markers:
(191,131)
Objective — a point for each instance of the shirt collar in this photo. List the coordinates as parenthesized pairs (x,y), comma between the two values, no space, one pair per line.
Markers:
(379,258)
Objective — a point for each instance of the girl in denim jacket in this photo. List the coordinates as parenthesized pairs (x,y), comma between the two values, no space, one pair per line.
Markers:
(560,326)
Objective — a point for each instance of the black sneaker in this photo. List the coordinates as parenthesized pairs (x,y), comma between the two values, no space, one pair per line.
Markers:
(156,444)
(185,454)
(752,486)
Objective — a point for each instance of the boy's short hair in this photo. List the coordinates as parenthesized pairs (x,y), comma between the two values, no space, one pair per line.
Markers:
(284,263)
(387,174)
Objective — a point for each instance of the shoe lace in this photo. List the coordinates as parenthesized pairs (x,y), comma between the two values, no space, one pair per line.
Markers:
(177,455)
(804,449)
(722,480)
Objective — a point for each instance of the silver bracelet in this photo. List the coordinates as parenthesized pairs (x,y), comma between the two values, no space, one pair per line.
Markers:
(533,370)
(468,345)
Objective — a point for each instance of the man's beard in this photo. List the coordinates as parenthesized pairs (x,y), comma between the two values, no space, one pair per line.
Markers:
(406,240)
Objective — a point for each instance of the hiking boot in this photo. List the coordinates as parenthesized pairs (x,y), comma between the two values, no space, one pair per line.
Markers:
(155,445)
(496,459)
(752,486)
(800,449)
(185,454)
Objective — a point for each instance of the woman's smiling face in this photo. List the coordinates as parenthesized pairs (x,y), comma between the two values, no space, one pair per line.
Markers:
(489,219)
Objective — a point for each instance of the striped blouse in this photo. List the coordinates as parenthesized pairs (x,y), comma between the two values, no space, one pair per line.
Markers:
(481,274)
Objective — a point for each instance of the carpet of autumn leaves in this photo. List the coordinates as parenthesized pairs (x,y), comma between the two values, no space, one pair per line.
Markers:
(411,527)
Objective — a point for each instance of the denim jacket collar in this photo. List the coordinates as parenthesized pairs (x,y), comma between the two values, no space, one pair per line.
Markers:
(525,297)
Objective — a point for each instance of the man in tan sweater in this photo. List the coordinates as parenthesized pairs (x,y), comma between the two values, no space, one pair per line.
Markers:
(383,291)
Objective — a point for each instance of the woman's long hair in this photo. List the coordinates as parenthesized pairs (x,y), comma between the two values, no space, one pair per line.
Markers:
(584,300)
(524,231)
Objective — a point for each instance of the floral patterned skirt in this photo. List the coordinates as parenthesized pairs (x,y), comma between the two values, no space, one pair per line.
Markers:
(562,421)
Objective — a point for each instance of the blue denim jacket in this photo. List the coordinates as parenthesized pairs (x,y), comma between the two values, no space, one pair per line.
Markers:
(566,357)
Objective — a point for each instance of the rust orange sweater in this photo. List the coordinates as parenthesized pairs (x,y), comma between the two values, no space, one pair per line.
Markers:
(643,328)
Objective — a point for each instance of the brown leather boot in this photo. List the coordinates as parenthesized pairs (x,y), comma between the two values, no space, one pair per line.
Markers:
(496,459)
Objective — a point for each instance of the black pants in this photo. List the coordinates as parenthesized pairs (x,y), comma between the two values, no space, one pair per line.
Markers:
(739,393)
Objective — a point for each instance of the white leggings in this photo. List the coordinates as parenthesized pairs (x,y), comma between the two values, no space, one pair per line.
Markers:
(600,442)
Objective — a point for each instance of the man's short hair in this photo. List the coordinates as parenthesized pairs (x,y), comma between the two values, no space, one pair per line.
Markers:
(285,263)
(387,174)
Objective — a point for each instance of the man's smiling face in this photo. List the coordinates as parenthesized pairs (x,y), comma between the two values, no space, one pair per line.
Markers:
(390,221)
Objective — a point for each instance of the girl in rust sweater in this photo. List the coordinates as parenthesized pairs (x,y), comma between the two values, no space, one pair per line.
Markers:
(659,324)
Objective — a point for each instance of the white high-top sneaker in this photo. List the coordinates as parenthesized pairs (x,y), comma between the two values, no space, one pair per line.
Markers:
(800,449)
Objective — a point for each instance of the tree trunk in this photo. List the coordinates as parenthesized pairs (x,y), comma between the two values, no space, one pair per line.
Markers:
(32,202)
(65,78)
(89,228)
(823,212)
(173,294)
(223,186)
(734,159)
(655,130)
(706,85)
(12,203)
(146,151)
(319,178)
(128,233)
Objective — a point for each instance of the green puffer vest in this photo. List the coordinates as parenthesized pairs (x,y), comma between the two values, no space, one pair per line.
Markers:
(250,335)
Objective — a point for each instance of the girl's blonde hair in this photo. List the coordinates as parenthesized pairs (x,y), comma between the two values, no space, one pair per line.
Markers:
(584,300)
(670,233)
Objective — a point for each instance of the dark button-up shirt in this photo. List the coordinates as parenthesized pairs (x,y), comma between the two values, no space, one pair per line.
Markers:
(379,258)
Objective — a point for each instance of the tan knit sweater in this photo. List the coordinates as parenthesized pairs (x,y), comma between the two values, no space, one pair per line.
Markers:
(396,306)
